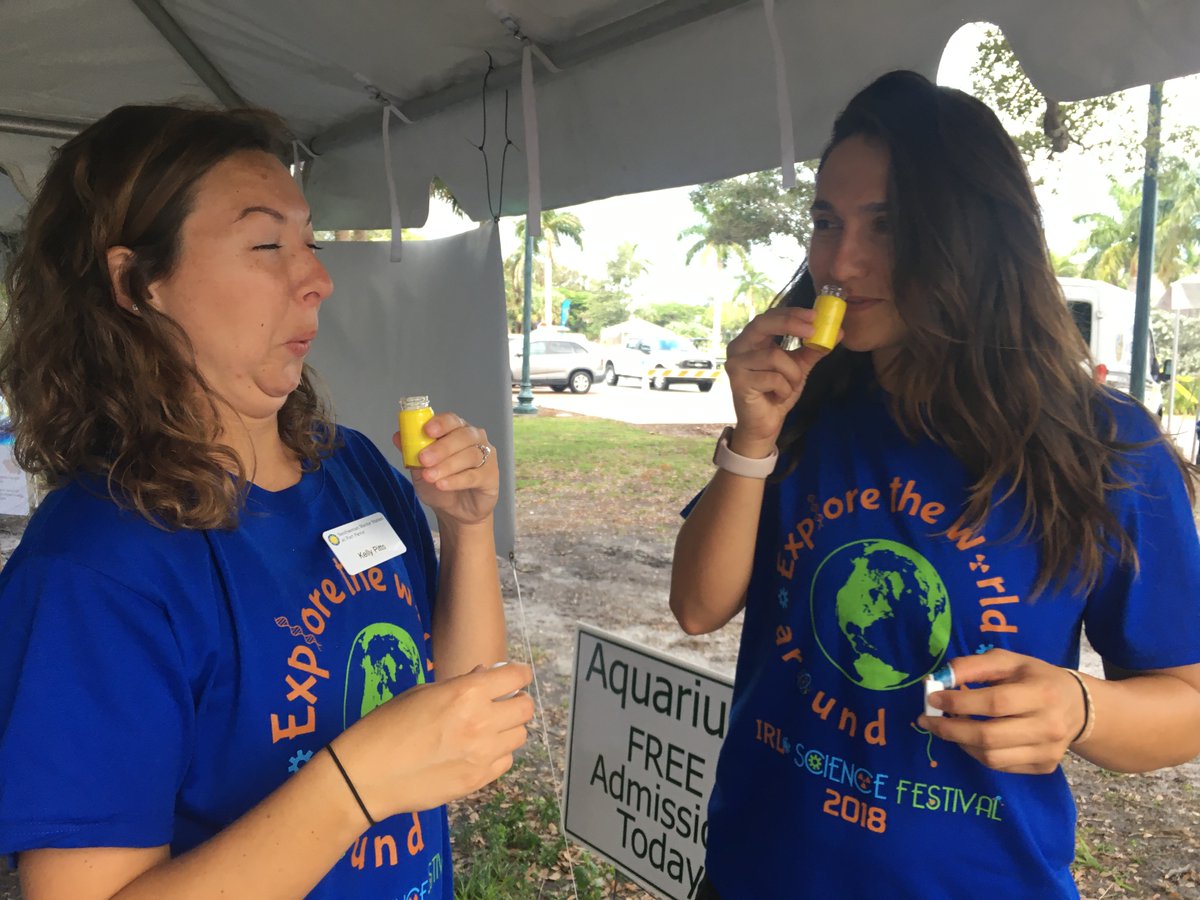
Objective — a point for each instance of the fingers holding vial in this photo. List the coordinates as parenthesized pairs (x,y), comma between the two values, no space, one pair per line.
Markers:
(829,309)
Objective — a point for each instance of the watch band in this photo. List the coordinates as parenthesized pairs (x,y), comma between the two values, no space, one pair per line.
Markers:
(747,467)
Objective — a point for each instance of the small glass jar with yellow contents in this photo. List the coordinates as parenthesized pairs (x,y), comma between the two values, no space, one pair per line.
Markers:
(830,307)
(415,411)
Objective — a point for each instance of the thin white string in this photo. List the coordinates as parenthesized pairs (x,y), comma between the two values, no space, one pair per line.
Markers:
(537,694)
(396,248)
(783,101)
(533,217)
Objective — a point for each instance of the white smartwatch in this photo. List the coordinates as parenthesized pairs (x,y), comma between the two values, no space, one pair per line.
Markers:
(747,467)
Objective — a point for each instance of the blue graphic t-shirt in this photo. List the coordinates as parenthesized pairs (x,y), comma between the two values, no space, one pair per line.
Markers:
(863,585)
(155,685)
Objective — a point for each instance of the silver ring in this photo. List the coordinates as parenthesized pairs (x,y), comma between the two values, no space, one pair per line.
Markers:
(484,452)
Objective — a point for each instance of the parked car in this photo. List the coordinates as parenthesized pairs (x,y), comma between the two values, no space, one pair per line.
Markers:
(557,360)
(666,360)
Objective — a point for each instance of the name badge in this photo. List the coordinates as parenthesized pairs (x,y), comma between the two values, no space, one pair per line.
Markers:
(369,541)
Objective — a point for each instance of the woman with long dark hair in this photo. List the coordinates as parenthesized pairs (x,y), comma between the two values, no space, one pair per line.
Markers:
(218,635)
(946,494)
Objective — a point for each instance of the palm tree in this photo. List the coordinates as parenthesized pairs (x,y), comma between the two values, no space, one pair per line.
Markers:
(752,285)
(555,226)
(711,244)
(1113,242)
(1178,231)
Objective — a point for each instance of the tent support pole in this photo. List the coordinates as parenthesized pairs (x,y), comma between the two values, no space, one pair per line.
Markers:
(55,129)
(525,397)
(190,53)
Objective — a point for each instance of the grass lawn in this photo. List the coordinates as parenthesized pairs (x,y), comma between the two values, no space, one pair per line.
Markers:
(596,470)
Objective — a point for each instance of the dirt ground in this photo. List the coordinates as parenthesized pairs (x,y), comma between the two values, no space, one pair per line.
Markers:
(610,567)
(1142,831)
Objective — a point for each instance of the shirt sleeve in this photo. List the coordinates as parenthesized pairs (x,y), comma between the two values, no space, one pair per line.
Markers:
(96,713)
(1148,617)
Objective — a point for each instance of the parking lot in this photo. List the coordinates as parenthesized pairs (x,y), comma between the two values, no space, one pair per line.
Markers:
(685,405)
(629,402)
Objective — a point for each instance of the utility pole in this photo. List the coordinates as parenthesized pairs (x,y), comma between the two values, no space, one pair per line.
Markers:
(525,395)
(1145,258)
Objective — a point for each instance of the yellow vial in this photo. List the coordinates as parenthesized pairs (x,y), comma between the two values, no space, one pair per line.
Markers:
(829,307)
(414,413)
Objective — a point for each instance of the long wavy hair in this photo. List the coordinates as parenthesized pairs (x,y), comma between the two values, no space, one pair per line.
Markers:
(992,366)
(94,388)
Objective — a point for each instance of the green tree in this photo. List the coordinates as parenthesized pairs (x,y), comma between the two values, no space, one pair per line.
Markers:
(713,243)
(1162,328)
(609,301)
(1040,127)
(555,227)
(1111,126)
(754,290)
(441,190)
(740,213)
(674,315)
(1112,244)
(751,210)
(1064,265)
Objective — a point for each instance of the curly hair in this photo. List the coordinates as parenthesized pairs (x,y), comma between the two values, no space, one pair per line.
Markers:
(992,366)
(95,389)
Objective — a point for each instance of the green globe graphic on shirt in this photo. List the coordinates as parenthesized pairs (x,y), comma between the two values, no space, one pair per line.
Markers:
(384,662)
(881,613)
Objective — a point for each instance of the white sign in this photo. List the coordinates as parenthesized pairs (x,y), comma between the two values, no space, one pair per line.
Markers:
(641,757)
(14,488)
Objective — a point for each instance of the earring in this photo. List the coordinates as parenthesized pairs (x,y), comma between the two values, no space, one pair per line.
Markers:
(133,306)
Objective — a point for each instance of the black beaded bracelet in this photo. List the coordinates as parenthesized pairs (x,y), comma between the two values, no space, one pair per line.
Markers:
(350,784)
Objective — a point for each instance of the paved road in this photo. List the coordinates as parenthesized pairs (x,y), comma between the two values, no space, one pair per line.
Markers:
(628,402)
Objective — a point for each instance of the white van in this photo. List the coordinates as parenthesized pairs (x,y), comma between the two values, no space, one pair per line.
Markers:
(1104,314)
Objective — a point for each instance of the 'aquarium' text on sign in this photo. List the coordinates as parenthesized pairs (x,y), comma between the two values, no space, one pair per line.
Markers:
(641,757)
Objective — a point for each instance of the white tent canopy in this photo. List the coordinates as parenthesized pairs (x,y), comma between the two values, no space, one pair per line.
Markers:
(651,93)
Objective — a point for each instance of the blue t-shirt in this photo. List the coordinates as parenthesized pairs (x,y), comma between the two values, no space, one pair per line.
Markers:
(155,685)
(861,586)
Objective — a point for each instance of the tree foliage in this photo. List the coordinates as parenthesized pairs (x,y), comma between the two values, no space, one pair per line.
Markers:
(1112,244)
(1162,327)
(1040,127)
(751,210)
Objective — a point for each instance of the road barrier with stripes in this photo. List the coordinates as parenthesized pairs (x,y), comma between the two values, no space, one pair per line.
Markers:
(698,374)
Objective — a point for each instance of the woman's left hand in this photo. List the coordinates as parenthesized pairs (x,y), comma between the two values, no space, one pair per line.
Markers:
(459,479)
(1033,711)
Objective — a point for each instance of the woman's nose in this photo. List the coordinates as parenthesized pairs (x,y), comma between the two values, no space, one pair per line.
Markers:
(318,285)
(852,257)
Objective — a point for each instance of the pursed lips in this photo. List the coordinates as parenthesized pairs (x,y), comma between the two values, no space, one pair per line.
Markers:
(301,344)
(857,304)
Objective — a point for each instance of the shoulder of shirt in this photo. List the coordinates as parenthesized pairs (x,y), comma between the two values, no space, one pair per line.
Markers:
(80,525)
(1134,422)
(356,443)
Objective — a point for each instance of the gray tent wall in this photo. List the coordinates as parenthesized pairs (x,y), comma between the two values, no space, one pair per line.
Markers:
(432,324)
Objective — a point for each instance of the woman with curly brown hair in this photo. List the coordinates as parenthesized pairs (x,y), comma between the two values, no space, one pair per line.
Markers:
(203,688)
(947,498)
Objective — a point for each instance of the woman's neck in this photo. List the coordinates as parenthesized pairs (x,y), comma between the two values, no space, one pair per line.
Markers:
(885,373)
(268,462)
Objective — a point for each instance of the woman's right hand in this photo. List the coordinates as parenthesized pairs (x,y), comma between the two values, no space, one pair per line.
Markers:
(437,742)
(766,380)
